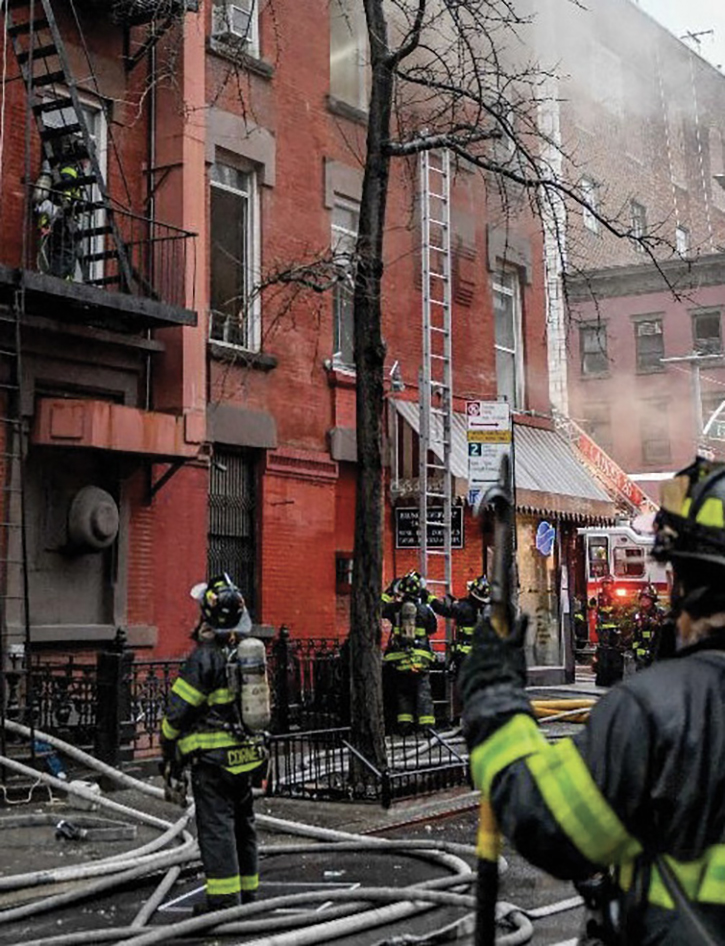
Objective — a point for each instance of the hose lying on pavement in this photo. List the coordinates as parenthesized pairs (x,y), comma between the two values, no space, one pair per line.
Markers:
(298,929)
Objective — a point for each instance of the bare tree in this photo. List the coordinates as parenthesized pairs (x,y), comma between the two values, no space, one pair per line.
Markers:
(459,75)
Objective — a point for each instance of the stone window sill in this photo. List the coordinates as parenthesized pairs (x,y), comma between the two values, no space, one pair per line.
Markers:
(259,360)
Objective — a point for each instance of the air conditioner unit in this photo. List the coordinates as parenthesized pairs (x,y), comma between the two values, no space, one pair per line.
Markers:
(233,22)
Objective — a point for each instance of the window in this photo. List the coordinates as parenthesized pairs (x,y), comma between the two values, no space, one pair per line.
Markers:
(682,241)
(655,432)
(590,193)
(711,402)
(234,312)
(343,573)
(606,78)
(639,223)
(593,342)
(234,22)
(597,422)
(89,220)
(508,337)
(345,219)
(232,520)
(598,548)
(706,333)
(649,343)
(349,72)
(628,562)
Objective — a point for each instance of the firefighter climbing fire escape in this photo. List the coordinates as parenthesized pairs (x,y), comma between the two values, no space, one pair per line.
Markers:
(436,384)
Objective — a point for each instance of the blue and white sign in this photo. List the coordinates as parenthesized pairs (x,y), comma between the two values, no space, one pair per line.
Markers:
(545,537)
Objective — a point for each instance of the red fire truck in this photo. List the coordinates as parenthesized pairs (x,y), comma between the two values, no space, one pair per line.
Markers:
(623,554)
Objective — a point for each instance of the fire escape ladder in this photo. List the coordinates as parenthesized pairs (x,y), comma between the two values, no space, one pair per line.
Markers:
(14,607)
(436,384)
(44,64)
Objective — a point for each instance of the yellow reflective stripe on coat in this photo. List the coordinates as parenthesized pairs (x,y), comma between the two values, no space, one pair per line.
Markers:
(187,692)
(578,807)
(518,738)
(702,880)
(250,882)
(711,513)
(220,697)
(168,731)
(223,886)
(207,740)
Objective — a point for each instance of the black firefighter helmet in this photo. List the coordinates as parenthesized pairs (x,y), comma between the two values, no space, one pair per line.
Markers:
(222,604)
(690,533)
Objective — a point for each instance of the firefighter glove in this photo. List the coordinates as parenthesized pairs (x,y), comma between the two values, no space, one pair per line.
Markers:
(175,783)
(494,660)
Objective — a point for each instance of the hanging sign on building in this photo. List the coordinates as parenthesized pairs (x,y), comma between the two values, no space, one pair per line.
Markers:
(407,520)
(489,438)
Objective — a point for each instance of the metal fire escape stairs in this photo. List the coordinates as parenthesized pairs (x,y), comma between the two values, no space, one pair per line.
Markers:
(436,382)
(44,64)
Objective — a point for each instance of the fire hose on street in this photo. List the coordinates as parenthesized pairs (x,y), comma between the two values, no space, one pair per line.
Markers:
(175,851)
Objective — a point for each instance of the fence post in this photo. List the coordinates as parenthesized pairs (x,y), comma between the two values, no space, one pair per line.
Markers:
(113,712)
(281,683)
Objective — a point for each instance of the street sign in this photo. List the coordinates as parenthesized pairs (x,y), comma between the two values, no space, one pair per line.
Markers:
(489,438)
(407,520)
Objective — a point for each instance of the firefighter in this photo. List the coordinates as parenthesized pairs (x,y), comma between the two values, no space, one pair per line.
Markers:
(646,627)
(465,613)
(632,807)
(608,660)
(409,653)
(203,727)
(56,204)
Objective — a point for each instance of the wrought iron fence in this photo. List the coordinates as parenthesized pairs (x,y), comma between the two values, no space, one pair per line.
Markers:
(112,705)
(323,764)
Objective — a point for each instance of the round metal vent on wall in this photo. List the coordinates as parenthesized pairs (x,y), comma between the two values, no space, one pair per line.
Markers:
(93,519)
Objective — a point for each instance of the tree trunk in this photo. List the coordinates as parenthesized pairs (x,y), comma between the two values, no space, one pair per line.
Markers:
(365,658)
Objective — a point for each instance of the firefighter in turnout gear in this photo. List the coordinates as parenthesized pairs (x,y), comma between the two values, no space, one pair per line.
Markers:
(465,613)
(608,659)
(409,654)
(632,807)
(646,627)
(203,727)
(57,200)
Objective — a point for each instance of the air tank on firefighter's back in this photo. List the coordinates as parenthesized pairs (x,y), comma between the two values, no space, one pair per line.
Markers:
(254,688)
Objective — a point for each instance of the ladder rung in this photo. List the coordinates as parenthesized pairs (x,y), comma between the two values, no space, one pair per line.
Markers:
(17,29)
(39,52)
(51,132)
(98,257)
(52,105)
(94,232)
(105,281)
(438,223)
(50,78)
(435,551)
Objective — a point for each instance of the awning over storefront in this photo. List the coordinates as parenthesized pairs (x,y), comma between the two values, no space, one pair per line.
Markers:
(549,477)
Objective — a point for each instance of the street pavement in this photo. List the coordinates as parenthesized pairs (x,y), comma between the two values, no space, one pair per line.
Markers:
(451,816)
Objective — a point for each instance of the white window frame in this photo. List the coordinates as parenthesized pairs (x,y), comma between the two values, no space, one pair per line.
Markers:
(590,192)
(638,212)
(507,283)
(223,24)
(338,232)
(352,12)
(682,241)
(253,323)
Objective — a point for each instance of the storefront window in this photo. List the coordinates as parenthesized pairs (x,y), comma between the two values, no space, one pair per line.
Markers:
(539,598)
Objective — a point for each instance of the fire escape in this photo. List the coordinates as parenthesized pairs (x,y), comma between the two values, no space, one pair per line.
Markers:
(108,267)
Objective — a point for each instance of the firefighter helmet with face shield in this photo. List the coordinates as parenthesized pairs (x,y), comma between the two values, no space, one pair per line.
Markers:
(410,585)
(480,589)
(222,605)
(690,533)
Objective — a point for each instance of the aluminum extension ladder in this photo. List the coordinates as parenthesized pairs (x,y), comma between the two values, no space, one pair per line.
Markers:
(436,382)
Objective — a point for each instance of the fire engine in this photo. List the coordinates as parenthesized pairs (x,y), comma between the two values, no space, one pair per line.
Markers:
(623,554)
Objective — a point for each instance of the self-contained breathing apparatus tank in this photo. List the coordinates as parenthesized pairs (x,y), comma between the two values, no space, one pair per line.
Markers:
(408,613)
(247,680)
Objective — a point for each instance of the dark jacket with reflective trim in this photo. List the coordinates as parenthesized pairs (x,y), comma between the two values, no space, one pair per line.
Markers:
(465,613)
(410,656)
(202,716)
(646,775)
